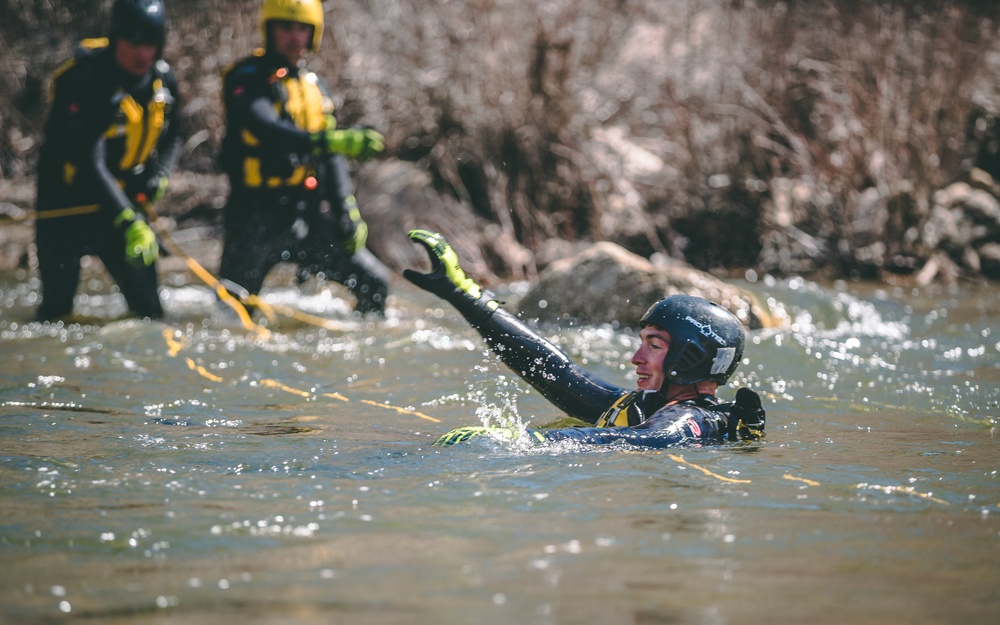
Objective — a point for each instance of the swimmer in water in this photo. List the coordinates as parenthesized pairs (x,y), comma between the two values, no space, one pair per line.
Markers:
(688,347)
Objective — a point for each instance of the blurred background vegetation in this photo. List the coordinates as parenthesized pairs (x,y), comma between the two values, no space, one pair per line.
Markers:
(789,137)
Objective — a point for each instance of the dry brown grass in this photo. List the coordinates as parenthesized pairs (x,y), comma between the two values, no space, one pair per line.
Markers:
(730,135)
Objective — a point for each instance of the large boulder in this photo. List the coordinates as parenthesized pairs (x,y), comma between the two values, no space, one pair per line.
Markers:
(989,260)
(964,224)
(608,284)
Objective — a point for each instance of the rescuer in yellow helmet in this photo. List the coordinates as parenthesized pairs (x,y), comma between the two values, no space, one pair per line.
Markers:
(111,140)
(291,198)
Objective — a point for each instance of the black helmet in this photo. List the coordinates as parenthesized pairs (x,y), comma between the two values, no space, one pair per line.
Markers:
(139,21)
(706,340)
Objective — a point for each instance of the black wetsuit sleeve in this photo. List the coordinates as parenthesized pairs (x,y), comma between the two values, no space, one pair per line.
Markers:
(114,199)
(250,105)
(573,390)
(672,426)
(336,187)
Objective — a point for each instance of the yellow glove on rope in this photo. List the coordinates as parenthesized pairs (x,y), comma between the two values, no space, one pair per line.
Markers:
(140,242)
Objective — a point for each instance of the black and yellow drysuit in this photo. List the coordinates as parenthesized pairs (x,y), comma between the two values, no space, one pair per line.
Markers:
(109,138)
(615,414)
(291,199)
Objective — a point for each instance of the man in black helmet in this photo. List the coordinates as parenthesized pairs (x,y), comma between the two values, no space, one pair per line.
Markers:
(689,347)
(111,140)
(291,198)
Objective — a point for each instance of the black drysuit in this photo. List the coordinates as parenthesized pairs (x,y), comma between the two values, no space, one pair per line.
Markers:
(109,137)
(289,200)
(619,415)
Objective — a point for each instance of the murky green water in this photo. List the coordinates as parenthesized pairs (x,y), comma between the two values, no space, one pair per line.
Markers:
(186,472)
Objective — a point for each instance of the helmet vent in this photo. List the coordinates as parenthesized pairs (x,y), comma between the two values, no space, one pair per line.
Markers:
(691,357)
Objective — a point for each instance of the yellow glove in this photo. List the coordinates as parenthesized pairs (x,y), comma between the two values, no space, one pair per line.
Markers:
(140,242)
(356,230)
(462,434)
(459,435)
(359,143)
(446,276)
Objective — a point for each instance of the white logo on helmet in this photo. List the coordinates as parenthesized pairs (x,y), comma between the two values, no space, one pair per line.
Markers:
(706,330)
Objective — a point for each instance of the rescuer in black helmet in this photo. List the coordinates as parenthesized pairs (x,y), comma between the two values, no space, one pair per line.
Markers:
(688,348)
(139,21)
(111,140)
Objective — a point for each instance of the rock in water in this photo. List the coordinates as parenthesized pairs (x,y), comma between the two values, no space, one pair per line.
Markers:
(608,284)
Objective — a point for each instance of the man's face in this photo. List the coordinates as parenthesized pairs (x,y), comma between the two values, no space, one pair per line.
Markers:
(135,58)
(648,359)
(291,39)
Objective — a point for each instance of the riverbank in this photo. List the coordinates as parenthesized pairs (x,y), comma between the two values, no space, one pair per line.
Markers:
(786,139)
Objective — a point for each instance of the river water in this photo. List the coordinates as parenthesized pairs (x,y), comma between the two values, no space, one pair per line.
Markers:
(193,472)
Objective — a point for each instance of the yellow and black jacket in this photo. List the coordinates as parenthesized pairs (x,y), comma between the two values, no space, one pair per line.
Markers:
(107,135)
(290,199)
(274,112)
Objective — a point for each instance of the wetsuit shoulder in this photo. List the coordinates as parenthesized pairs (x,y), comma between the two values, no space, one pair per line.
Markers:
(248,84)
(246,71)
(82,102)
(77,74)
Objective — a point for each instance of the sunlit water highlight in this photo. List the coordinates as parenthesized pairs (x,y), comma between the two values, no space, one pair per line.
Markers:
(189,472)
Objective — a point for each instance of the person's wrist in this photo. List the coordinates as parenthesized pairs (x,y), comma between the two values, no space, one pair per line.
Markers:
(319,143)
(125,218)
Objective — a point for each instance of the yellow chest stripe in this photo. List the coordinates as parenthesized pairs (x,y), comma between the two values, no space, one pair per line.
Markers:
(617,414)
(305,103)
(307,107)
(140,127)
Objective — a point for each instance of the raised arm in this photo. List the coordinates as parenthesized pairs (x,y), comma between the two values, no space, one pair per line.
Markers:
(548,369)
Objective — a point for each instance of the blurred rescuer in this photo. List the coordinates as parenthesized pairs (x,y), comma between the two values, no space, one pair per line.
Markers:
(688,348)
(111,140)
(291,198)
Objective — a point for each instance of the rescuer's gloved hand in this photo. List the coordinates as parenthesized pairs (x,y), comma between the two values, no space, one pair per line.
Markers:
(459,435)
(155,188)
(748,415)
(140,242)
(446,278)
(354,227)
(357,142)
(462,434)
